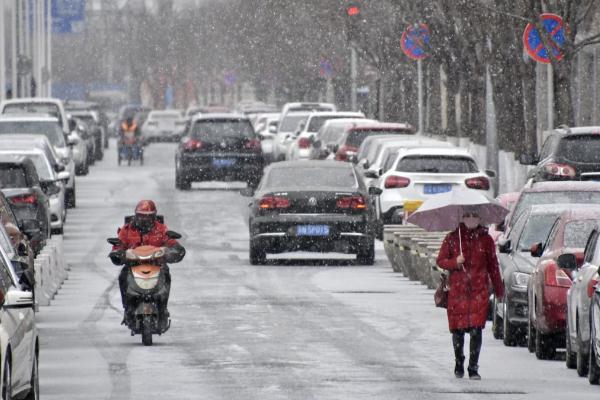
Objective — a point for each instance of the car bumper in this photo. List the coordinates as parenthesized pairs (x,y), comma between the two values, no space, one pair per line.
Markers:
(553,318)
(56,212)
(243,167)
(394,198)
(517,307)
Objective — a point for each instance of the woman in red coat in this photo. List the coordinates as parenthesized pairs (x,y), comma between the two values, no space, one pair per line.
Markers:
(470,272)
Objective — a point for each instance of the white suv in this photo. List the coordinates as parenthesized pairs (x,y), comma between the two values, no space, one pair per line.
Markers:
(421,172)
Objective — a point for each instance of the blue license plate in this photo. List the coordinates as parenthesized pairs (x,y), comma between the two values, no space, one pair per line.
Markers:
(223,162)
(436,188)
(312,230)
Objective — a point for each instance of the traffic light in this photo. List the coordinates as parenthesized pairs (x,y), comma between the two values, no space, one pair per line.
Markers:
(354,19)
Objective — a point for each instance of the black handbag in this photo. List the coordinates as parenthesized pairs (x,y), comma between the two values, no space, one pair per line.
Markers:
(440,297)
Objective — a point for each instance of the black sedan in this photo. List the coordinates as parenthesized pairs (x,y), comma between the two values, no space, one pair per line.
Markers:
(318,206)
(219,147)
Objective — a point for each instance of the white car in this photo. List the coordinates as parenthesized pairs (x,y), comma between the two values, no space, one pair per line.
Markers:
(267,131)
(301,145)
(163,125)
(420,172)
(287,126)
(332,131)
(79,152)
(19,342)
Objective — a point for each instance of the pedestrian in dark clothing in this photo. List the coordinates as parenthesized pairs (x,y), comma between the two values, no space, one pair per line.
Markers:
(469,254)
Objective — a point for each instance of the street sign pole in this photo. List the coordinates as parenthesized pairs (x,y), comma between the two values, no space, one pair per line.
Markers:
(420,95)
(550,86)
(48,48)
(353,76)
(13,47)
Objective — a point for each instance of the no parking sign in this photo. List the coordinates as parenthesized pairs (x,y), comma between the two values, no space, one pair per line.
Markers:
(415,40)
(555,29)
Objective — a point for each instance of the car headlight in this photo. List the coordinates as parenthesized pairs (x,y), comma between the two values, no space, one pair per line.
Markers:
(520,280)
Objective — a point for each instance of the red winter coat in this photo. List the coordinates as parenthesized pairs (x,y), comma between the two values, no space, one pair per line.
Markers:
(468,296)
(131,237)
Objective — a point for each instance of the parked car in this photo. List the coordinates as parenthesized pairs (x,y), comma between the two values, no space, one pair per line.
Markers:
(51,182)
(287,126)
(97,109)
(83,130)
(79,150)
(579,295)
(510,314)
(260,120)
(312,206)
(508,200)
(347,147)
(23,190)
(560,255)
(19,234)
(567,154)
(219,146)
(163,125)
(266,132)
(47,126)
(94,129)
(303,140)
(332,132)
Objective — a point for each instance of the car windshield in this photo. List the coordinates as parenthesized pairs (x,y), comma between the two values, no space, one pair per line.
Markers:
(580,148)
(165,117)
(32,108)
(50,129)
(12,176)
(437,164)
(528,199)
(86,118)
(578,232)
(317,122)
(536,230)
(313,177)
(290,122)
(213,130)
(357,136)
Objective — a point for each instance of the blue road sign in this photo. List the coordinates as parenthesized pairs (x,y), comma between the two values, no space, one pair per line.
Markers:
(555,29)
(415,40)
(66,14)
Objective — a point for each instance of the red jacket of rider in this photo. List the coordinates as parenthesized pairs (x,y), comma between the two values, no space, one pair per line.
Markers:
(131,237)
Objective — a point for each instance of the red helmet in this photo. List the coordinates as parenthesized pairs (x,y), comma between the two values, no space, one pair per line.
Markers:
(145,207)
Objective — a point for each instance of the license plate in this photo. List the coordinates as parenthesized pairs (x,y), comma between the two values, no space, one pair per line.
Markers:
(223,162)
(436,188)
(312,230)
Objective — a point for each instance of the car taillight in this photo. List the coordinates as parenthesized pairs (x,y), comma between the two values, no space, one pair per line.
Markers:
(480,182)
(193,144)
(273,202)
(592,286)
(344,152)
(560,170)
(252,144)
(29,199)
(395,182)
(304,143)
(351,202)
(557,277)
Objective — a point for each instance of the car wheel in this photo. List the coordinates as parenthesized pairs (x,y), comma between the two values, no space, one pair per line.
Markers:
(508,329)
(582,358)
(258,255)
(594,369)
(70,198)
(570,356)
(366,255)
(530,336)
(497,328)
(7,382)
(182,182)
(34,392)
(545,348)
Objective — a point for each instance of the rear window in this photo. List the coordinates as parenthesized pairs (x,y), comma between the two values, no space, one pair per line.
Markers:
(317,122)
(357,136)
(290,122)
(536,230)
(50,129)
(437,164)
(569,197)
(213,130)
(313,177)
(42,167)
(89,119)
(578,232)
(33,108)
(580,148)
(12,176)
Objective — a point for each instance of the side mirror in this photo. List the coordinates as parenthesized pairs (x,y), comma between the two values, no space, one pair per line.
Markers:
(501,227)
(567,261)
(504,247)
(173,235)
(18,298)
(528,159)
(247,192)
(59,167)
(365,164)
(536,250)
(114,241)
(64,176)
(490,173)
(50,188)
(27,279)
(375,191)
(72,124)
(72,141)
(30,227)
(317,144)
(22,250)
(335,148)
(273,129)
(371,174)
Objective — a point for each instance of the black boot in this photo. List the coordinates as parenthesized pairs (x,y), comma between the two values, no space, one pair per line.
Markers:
(475,349)
(458,342)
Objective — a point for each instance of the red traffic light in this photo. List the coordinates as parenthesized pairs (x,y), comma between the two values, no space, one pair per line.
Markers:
(353,11)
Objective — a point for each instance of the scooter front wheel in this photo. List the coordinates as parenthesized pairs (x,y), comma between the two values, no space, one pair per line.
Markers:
(147,330)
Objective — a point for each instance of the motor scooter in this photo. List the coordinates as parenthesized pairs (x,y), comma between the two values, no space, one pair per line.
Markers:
(131,148)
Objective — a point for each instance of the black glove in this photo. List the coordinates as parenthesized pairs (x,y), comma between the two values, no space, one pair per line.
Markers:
(117,257)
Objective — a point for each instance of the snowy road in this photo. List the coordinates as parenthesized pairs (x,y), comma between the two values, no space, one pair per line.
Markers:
(242,332)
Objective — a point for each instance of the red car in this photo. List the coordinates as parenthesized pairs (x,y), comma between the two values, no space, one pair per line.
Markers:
(552,278)
(347,149)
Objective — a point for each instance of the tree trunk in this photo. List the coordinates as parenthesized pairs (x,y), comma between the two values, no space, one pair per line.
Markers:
(563,101)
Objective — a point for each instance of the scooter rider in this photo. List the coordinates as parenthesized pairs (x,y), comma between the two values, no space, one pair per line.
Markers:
(144,229)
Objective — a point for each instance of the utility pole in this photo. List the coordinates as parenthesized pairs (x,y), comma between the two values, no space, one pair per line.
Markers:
(13,48)
(353,76)
(2,58)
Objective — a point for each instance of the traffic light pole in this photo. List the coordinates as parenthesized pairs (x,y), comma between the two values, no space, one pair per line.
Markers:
(353,77)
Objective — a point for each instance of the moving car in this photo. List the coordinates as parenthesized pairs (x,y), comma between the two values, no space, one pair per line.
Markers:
(560,255)
(219,146)
(318,206)
(23,190)
(346,149)
(567,154)
(163,125)
(511,313)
